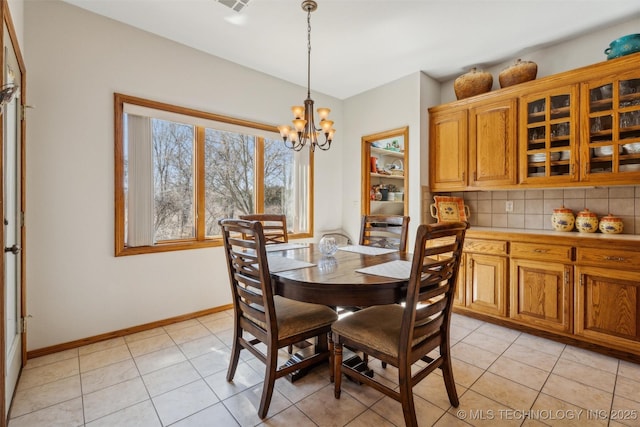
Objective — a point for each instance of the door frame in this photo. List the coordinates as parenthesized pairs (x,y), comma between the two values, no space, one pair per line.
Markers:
(5,18)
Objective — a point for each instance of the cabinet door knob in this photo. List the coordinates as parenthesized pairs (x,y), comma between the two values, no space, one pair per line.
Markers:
(541,251)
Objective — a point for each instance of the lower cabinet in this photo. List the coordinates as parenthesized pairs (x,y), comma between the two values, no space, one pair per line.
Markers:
(575,288)
(542,286)
(608,298)
(541,294)
(486,276)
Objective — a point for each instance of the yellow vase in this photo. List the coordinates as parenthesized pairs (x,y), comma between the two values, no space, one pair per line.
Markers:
(563,219)
(587,221)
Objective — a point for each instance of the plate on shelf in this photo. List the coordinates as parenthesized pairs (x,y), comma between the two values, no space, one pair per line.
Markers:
(449,209)
(633,148)
(607,150)
(630,167)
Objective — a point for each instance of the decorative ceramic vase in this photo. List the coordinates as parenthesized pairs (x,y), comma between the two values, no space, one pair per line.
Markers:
(611,225)
(623,46)
(562,219)
(520,72)
(472,83)
(587,221)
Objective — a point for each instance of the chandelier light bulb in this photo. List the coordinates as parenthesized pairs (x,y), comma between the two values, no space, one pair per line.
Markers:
(323,113)
(284,130)
(298,111)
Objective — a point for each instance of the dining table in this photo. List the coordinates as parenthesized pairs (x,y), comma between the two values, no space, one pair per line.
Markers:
(354,276)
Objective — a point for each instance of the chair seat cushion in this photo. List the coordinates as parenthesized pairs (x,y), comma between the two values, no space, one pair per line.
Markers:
(295,317)
(378,327)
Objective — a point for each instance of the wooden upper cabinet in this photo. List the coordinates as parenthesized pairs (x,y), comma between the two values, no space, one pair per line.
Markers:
(549,136)
(493,144)
(448,150)
(580,127)
(610,151)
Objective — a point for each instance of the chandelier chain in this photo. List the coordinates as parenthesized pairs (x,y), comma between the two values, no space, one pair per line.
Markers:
(308,53)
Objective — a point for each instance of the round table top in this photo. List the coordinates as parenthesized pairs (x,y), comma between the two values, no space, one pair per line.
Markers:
(334,280)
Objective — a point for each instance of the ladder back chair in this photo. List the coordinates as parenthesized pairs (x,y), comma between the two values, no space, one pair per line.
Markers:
(274,227)
(400,335)
(385,231)
(270,320)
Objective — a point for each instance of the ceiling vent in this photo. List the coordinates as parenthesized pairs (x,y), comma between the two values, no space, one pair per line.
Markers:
(236,5)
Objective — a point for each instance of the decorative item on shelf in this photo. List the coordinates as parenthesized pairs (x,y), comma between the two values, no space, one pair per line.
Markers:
(449,209)
(377,194)
(563,219)
(304,129)
(396,168)
(587,221)
(384,192)
(472,83)
(611,225)
(374,167)
(623,46)
(520,72)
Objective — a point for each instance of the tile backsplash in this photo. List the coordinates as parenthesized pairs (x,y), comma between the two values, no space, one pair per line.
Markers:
(532,209)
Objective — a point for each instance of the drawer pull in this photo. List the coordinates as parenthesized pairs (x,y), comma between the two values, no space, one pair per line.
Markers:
(541,251)
(615,258)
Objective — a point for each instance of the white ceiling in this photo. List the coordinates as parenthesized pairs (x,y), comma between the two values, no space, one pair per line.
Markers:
(361,44)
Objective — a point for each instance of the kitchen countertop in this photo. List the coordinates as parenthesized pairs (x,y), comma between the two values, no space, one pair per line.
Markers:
(622,241)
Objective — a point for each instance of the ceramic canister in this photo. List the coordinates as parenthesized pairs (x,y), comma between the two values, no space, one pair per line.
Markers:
(587,221)
(562,219)
(611,225)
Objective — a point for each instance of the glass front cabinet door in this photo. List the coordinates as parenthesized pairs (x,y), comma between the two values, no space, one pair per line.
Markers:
(611,134)
(549,129)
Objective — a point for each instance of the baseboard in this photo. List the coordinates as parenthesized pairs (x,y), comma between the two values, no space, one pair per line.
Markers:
(122,332)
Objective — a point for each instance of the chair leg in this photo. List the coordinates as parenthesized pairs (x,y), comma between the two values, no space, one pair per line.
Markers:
(449,382)
(235,355)
(337,369)
(269,381)
(331,357)
(406,397)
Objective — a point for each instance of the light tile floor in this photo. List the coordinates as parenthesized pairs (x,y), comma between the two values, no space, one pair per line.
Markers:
(175,375)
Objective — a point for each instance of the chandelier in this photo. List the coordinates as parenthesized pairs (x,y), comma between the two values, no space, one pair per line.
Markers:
(304,130)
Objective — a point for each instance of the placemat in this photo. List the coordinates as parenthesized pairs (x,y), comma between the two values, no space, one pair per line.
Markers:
(367,250)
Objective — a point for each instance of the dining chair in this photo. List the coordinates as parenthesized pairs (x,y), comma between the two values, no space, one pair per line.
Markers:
(403,334)
(262,319)
(274,226)
(385,231)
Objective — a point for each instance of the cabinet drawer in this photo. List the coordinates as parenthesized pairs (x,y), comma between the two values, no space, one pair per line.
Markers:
(488,247)
(558,253)
(609,258)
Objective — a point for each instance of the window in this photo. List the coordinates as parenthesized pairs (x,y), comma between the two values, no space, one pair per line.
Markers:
(178,171)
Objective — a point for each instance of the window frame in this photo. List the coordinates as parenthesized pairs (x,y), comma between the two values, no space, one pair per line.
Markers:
(200,240)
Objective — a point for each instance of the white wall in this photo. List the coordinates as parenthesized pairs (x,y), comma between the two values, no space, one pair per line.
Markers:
(571,54)
(75,61)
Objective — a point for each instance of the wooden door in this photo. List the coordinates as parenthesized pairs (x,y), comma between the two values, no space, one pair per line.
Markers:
(541,294)
(448,150)
(608,306)
(486,277)
(493,144)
